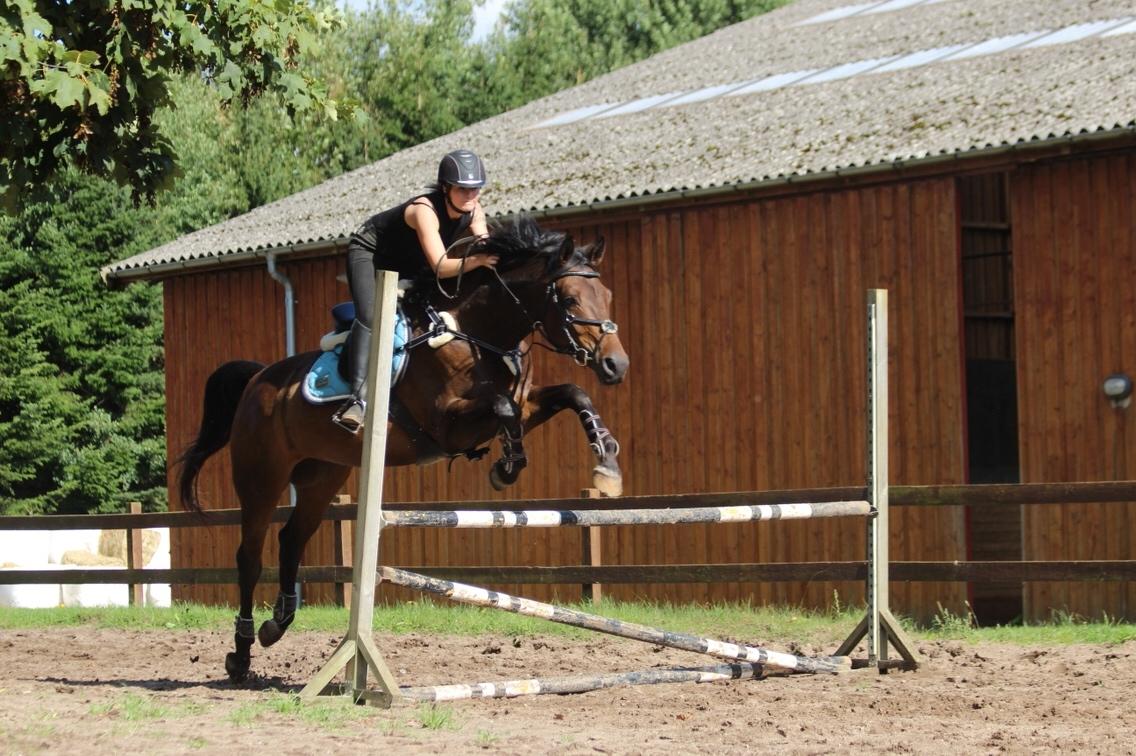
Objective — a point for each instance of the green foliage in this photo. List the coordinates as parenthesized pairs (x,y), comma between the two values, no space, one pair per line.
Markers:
(81,406)
(547,45)
(80,83)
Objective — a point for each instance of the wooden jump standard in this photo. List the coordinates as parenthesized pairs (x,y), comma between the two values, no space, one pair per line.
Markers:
(358,653)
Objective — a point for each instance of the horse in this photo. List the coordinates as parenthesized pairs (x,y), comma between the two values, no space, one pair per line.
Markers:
(452,401)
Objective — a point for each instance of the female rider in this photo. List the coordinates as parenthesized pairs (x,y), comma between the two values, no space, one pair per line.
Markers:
(411,239)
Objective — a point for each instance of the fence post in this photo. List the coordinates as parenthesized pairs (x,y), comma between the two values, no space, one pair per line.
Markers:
(343,555)
(591,550)
(135,591)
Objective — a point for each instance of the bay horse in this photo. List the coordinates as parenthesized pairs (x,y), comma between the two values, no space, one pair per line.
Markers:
(452,400)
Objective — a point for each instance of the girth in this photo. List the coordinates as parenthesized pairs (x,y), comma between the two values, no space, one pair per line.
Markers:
(426,449)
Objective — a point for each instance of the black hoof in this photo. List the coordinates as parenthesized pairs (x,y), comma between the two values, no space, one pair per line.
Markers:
(270,632)
(496,481)
(237,666)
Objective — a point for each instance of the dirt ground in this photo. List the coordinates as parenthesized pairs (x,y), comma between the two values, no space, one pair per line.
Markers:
(88,691)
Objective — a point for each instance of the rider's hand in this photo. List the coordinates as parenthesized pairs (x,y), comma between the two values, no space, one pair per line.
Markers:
(484,260)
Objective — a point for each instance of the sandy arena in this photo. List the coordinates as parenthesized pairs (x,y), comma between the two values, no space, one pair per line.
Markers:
(91,691)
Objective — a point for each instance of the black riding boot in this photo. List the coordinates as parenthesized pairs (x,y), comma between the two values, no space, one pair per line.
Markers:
(351,414)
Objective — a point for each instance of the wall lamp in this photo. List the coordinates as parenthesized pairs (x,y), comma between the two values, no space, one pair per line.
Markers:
(1118,388)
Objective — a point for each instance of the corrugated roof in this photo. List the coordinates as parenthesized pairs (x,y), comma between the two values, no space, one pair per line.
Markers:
(677,121)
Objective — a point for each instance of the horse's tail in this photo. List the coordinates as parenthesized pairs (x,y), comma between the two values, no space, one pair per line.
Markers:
(222,394)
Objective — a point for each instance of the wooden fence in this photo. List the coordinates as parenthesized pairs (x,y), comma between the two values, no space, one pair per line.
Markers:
(592,572)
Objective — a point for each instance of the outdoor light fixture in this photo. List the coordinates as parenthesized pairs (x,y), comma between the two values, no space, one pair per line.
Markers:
(1118,388)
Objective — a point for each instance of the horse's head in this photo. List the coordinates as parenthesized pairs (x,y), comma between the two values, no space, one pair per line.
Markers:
(565,295)
(577,318)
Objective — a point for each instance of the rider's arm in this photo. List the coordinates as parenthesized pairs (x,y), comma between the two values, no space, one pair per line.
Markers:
(424,221)
(477,225)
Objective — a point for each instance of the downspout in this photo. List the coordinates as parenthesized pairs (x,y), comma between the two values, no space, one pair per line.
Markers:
(289,305)
(289,348)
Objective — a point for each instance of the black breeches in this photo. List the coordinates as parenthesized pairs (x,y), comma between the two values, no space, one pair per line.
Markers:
(361,280)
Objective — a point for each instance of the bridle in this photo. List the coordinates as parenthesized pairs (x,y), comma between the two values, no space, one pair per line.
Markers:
(573,347)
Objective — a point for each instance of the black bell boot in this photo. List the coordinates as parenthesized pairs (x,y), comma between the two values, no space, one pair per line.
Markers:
(350,415)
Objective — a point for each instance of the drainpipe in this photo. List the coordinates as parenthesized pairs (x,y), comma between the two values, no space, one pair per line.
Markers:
(289,305)
(289,348)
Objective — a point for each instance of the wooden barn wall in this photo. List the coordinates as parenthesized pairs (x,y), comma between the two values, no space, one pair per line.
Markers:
(1075,282)
(745,327)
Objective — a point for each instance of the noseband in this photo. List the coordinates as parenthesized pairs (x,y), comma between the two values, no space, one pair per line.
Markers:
(574,348)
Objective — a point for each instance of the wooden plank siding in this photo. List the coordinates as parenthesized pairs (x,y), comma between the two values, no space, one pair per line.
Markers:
(745,326)
(1075,257)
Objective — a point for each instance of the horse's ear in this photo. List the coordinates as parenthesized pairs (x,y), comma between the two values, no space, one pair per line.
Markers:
(567,250)
(595,252)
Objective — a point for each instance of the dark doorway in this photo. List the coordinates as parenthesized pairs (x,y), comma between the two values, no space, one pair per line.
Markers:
(994,534)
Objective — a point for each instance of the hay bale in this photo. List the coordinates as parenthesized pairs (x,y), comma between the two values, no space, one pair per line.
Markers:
(82,558)
(112,543)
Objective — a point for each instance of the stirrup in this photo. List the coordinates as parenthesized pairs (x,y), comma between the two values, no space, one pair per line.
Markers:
(350,424)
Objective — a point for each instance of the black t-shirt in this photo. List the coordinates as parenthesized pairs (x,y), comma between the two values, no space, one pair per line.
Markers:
(395,244)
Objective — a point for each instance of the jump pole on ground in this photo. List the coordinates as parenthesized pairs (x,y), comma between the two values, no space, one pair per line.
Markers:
(357,651)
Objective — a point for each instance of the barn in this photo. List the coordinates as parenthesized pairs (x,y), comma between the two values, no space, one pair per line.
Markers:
(976,159)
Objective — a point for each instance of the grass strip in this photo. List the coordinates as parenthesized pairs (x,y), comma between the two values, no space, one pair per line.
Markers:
(722,621)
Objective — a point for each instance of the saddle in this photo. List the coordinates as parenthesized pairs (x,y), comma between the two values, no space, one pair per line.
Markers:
(324,383)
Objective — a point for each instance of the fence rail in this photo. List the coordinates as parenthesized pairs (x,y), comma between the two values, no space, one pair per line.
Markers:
(914,572)
(923,496)
(586,574)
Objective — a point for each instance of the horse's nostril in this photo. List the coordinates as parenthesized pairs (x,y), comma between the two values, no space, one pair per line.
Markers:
(614,366)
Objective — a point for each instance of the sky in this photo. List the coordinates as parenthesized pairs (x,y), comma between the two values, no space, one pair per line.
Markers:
(484,16)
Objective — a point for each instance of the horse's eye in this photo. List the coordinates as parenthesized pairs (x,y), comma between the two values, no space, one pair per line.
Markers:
(570,302)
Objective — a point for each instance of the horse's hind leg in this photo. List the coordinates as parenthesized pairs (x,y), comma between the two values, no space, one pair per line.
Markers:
(316,483)
(258,502)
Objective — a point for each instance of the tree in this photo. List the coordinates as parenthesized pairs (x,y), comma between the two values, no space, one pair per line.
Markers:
(543,46)
(80,82)
(81,387)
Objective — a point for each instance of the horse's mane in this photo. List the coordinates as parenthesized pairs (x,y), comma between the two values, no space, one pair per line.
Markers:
(526,253)
(522,242)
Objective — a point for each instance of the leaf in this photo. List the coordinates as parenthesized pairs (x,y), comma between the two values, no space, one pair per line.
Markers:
(99,98)
(85,58)
(68,90)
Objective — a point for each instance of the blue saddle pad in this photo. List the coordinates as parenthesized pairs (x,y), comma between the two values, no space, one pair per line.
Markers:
(323,383)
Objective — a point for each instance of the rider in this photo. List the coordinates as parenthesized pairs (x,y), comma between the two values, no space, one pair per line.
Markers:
(411,239)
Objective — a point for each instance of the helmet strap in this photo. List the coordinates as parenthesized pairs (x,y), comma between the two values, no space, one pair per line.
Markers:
(450,203)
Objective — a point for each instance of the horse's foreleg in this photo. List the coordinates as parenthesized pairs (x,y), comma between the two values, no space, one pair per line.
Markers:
(544,402)
(316,483)
(506,470)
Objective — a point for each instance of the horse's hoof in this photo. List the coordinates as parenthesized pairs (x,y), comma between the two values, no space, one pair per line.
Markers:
(237,667)
(609,482)
(269,633)
(496,481)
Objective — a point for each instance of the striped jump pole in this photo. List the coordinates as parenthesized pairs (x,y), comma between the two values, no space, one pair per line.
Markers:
(552,518)
(468,594)
(582,683)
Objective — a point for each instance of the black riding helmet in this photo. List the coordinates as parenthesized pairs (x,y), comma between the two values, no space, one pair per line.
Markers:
(461,168)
